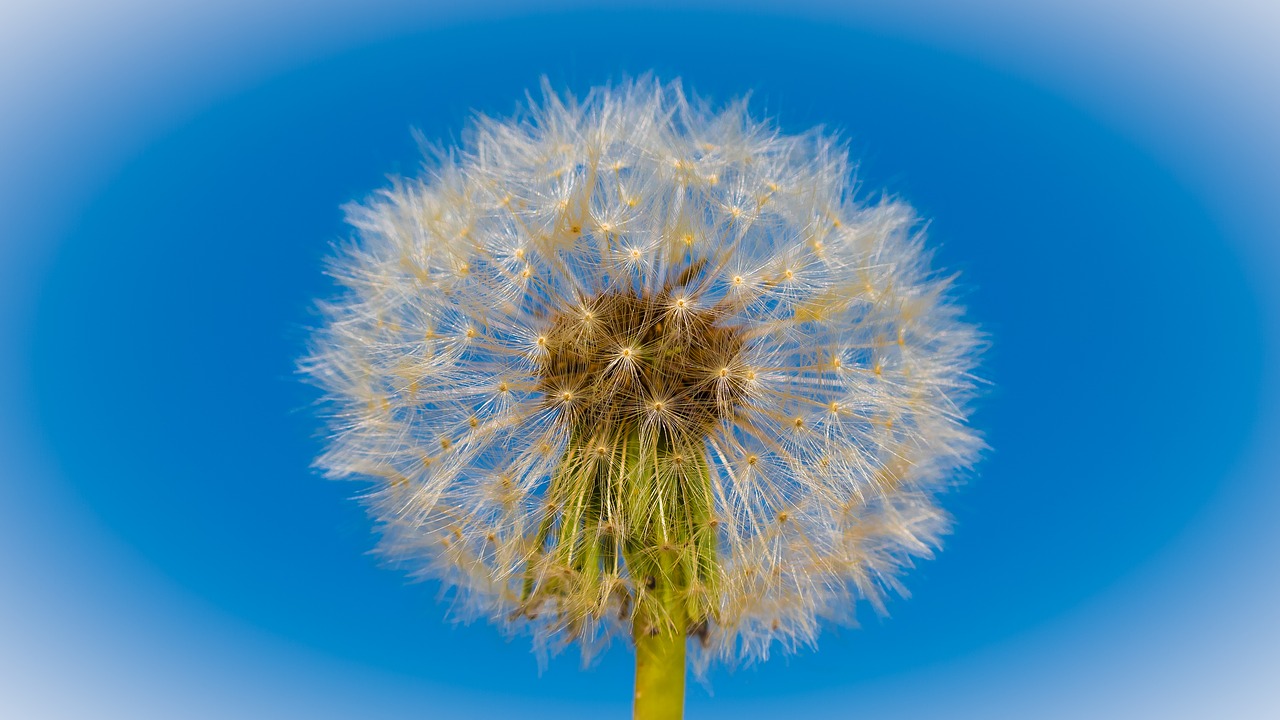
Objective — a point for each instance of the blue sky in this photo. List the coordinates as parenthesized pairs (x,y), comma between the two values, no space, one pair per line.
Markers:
(167,226)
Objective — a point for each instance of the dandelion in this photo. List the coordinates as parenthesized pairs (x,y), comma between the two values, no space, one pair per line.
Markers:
(632,367)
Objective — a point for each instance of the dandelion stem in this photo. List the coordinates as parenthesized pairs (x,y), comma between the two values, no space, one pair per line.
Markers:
(661,619)
(660,663)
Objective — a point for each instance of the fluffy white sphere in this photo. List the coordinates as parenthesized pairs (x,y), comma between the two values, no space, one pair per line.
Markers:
(635,284)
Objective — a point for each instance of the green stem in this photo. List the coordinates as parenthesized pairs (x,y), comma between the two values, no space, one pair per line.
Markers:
(660,621)
(660,650)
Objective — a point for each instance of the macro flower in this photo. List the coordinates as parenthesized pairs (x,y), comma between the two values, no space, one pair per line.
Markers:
(632,366)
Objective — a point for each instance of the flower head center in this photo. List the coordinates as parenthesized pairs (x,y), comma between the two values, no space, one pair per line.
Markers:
(645,354)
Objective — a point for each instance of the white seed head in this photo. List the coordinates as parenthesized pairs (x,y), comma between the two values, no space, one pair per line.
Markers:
(634,283)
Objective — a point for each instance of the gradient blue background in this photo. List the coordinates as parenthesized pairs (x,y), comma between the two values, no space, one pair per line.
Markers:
(152,369)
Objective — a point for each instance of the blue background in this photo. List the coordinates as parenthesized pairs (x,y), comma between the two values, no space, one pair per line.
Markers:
(1125,369)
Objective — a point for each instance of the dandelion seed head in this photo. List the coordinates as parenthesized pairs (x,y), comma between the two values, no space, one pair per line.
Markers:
(631,340)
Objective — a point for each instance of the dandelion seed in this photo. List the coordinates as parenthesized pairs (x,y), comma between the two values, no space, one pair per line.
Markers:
(595,427)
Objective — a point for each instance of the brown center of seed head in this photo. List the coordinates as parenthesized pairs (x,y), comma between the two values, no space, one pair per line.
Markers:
(642,358)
